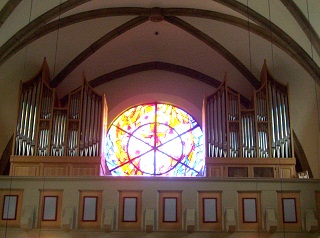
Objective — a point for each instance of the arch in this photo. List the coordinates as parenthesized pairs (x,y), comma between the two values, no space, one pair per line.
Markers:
(34,30)
(304,23)
(32,27)
(294,11)
(173,20)
(94,47)
(7,10)
(217,47)
(156,65)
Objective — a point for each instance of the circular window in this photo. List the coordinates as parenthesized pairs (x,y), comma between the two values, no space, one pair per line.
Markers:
(155,139)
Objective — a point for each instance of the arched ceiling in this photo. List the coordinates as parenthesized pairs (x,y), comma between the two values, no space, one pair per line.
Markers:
(72,33)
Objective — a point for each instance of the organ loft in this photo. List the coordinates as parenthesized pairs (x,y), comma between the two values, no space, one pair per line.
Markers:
(241,139)
(60,144)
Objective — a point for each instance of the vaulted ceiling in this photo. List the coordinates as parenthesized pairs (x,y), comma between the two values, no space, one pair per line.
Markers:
(120,38)
(204,39)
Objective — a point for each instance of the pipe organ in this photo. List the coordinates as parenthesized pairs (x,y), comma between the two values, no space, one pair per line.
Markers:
(52,140)
(249,142)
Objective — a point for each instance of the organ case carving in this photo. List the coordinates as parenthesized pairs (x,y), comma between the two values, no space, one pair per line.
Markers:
(256,140)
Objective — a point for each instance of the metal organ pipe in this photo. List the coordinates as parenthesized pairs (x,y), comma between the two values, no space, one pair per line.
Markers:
(74,116)
(46,131)
(233,128)
(27,119)
(216,114)
(58,134)
(280,119)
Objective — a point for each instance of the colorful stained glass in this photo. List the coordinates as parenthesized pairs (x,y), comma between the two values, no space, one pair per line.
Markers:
(155,139)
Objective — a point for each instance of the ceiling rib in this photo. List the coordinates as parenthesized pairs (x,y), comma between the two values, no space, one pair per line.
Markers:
(156,65)
(217,47)
(285,43)
(298,52)
(94,47)
(7,10)
(304,23)
(36,24)
(173,20)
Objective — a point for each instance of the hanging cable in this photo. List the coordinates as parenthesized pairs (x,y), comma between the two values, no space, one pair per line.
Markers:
(315,83)
(23,76)
(249,37)
(311,48)
(54,72)
(57,41)
(250,65)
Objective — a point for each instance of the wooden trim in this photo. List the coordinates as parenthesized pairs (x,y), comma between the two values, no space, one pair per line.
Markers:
(250,161)
(252,225)
(55,223)
(44,205)
(84,209)
(15,209)
(244,210)
(210,226)
(137,223)
(215,220)
(135,211)
(12,222)
(56,159)
(244,169)
(317,200)
(168,225)
(290,226)
(90,224)
(165,210)
(295,210)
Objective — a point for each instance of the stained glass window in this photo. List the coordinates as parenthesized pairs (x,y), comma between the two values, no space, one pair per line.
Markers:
(155,139)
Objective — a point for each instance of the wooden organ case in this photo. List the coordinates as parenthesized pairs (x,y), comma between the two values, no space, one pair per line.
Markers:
(256,142)
(54,141)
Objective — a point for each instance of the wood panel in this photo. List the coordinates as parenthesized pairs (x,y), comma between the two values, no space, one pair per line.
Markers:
(289,225)
(170,225)
(52,222)
(251,224)
(18,210)
(90,224)
(55,166)
(317,197)
(214,224)
(134,224)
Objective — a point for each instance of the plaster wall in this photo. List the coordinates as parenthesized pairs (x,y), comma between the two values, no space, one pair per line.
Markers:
(150,186)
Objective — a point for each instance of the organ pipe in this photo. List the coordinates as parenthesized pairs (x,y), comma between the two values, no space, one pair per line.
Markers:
(45,129)
(262,131)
